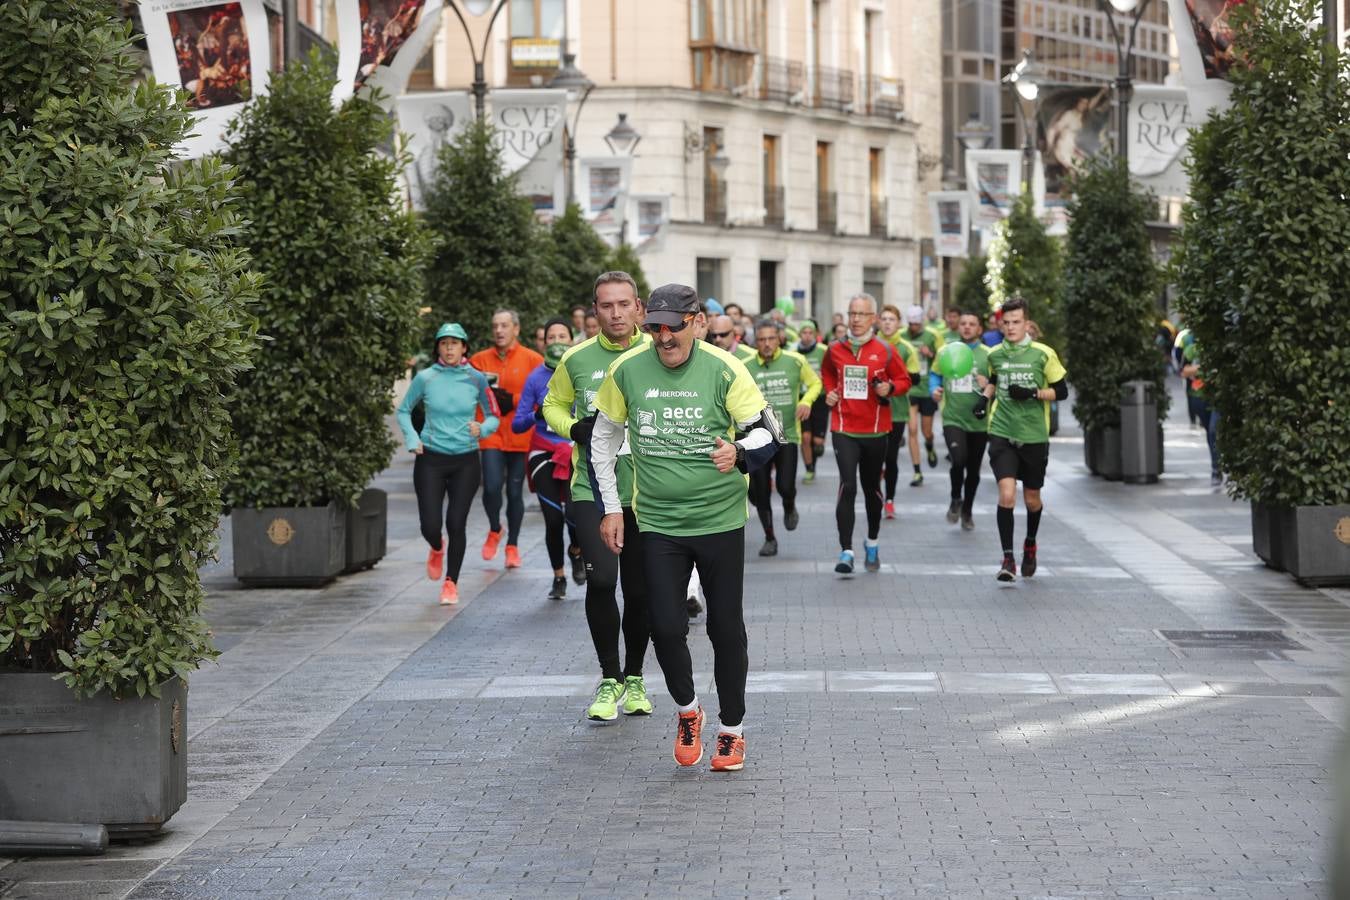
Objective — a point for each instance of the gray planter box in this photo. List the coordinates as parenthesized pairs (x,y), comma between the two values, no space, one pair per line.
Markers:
(301,546)
(1312,543)
(1102,451)
(367,530)
(119,763)
(1267,536)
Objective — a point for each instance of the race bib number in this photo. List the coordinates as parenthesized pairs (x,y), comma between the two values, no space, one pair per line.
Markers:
(923,364)
(963,385)
(855,382)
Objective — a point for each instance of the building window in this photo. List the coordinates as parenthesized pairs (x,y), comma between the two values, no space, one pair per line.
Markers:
(714,188)
(826,199)
(710,277)
(536,40)
(876,192)
(725,37)
(774,207)
(822,297)
(874,283)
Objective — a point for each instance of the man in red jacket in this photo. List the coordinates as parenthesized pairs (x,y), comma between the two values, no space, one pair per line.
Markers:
(858,374)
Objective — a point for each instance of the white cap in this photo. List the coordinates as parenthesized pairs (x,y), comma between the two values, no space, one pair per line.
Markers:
(914,314)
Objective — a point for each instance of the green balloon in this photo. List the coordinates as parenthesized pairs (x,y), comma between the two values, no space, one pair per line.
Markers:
(955,361)
(786,305)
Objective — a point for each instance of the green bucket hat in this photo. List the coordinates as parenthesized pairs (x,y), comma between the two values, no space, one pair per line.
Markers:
(453,330)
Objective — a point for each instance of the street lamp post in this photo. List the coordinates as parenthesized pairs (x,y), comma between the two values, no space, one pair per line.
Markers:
(622,140)
(1124,56)
(578,88)
(477,8)
(974,135)
(1025,80)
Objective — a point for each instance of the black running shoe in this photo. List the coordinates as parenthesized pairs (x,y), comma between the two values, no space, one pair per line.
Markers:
(791,518)
(559,589)
(578,569)
(967,522)
(1008,571)
(770,548)
(1028,559)
(932,457)
(953,512)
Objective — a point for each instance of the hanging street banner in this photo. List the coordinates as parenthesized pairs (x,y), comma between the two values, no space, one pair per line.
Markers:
(993,178)
(1160,127)
(1074,124)
(529,131)
(1204,34)
(220,53)
(428,122)
(950,213)
(652,214)
(379,43)
(602,191)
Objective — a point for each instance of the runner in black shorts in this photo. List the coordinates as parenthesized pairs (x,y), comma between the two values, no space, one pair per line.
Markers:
(1025,377)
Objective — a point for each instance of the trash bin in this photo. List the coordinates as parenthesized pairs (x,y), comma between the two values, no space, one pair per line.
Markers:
(1140,459)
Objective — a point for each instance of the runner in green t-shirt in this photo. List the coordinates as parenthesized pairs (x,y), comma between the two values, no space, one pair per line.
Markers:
(789,386)
(696,423)
(569,409)
(1026,376)
(965,423)
(927,342)
(952,320)
(816,426)
(888,327)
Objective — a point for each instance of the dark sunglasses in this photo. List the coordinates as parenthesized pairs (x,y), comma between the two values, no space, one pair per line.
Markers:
(652,328)
(718,334)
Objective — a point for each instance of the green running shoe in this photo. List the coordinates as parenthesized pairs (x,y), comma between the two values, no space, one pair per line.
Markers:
(606,705)
(809,477)
(635,702)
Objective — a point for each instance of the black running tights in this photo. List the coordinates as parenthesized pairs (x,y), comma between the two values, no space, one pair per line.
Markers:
(603,569)
(434,476)
(967,452)
(858,459)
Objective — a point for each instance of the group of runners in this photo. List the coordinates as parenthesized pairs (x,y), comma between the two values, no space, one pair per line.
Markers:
(645,440)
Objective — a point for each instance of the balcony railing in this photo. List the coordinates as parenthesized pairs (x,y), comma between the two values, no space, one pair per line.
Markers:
(827,211)
(833,88)
(883,96)
(876,221)
(714,203)
(774,206)
(781,79)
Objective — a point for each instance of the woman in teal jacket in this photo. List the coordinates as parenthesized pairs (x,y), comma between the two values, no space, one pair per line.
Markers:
(447,449)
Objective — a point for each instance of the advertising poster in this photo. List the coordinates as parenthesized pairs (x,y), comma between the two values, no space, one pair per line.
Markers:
(379,43)
(1159,129)
(950,212)
(994,178)
(1074,124)
(529,131)
(1204,34)
(428,122)
(218,52)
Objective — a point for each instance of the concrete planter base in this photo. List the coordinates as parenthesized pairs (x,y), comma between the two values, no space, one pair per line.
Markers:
(367,530)
(1312,543)
(302,546)
(1101,450)
(100,761)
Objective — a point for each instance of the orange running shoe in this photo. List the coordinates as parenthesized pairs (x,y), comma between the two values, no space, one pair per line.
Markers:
(436,562)
(512,556)
(689,737)
(449,593)
(730,753)
(490,545)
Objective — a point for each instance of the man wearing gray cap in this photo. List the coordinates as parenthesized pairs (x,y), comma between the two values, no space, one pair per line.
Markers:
(696,424)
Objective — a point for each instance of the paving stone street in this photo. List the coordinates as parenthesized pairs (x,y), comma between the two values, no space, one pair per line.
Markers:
(923,732)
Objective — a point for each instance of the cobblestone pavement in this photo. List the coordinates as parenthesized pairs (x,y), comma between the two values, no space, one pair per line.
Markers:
(924,732)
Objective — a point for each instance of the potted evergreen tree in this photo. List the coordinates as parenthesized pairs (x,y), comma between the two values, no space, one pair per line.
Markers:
(344,266)
(1265,285)
(1110,279)
(124,320)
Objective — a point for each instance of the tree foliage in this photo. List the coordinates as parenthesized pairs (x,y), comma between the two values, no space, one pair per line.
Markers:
(578,256)
(344,266)
(125,319)
(972,294)
(1025,261)
(1263,271)
(1110,283)
(488,250)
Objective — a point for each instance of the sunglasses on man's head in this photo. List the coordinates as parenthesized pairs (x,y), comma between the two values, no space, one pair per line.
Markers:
(653,328)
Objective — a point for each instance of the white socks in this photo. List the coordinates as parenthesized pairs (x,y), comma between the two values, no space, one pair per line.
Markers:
(691,706)
(868,542)
(738,730)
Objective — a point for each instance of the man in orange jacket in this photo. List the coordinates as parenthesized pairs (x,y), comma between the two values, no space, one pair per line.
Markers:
(504,452)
